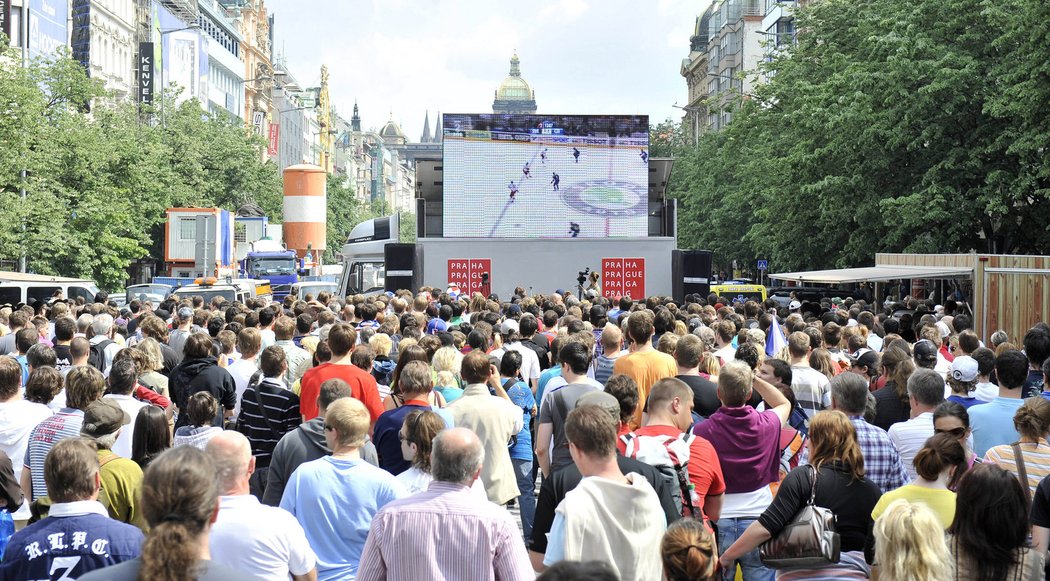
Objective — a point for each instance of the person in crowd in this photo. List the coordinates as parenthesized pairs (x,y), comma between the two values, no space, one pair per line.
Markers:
(78,536)
(868,364)
(152,435)
(992,424)
(180,498)
(249,345)
(989,537)
(446,363)
(397,397)
(687,356)
(182,328)
(939,465)
(520,395)
(664,442)
(261,541)
(985,391)
(44,385)
(688,552)
(611,342)
(306,443)
(627,538)
(812,388)
(1031,451)
(551,445)
(836,472)
(200,411)
(269,410)
(511,340)
(84,385)
(891,400)
(341,340)
(151,376)
(910,544)
(153,327)
(746,442)
(417,437)
(121,478)
(103,347)
(296,359)
(1037,349)
(409,538)
(925,393)
(123,378)
(336,497)
(415,386)
(554,488)
(200,371)
(644,364)
(18,417)
(494,419)
(952,418)
(625,390)
(962,379)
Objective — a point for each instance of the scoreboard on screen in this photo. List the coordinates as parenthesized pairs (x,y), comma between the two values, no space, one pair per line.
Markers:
(545,176)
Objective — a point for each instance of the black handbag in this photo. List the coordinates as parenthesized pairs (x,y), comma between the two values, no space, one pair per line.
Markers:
(809,540)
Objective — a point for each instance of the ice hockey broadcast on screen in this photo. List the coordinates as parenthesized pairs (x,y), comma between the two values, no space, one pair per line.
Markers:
(545,176)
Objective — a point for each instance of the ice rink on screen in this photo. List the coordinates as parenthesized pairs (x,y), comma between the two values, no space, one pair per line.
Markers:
(477,202)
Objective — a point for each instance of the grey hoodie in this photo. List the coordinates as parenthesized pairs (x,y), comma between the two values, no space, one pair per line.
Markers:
(302,444)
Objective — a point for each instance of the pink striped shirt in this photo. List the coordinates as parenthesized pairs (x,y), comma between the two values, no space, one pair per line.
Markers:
(444,533)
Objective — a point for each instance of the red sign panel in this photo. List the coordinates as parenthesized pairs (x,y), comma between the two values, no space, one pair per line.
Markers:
(623,277)
(471,274)
(275,131)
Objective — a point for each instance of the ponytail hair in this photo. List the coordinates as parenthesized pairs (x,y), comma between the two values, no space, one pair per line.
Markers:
(688,551)
(941,451)
(180,495)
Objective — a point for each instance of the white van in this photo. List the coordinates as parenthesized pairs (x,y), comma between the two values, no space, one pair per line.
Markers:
(19,287)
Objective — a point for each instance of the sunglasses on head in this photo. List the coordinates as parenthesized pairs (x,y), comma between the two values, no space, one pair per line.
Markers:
(956,432)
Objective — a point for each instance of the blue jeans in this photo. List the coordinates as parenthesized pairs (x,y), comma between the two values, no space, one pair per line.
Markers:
(731,529)
(527,500)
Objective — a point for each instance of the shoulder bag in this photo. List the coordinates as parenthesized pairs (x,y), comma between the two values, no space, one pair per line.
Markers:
(809,540)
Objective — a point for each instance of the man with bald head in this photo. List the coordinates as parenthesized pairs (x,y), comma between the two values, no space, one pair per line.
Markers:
(409,537)
(263,541)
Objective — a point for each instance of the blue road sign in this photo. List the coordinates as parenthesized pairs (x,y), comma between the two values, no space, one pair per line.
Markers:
(763,265)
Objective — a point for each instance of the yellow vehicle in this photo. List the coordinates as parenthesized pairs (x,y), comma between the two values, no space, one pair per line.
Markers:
(744,292)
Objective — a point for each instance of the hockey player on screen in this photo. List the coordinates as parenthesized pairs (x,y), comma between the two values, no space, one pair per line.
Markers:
(574,229)
(576,154)
(555,180)
(525,170)
(513,190)
(543,156)
(644,155)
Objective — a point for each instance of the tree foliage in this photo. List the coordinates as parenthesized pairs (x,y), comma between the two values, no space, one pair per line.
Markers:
(889,127)
(97,182)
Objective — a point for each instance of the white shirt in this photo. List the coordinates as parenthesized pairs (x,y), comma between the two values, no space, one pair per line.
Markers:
(908,438)
(17,420)
(726,354)
(131,406)
(264,542)
(415,480)
(530,362)
(986,391)
(241,371)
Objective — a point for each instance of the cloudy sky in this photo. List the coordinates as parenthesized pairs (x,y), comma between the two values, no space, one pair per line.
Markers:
(410,56)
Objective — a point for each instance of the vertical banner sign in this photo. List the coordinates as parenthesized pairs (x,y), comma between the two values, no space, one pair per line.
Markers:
(623,277)
(5,17)
(467,273)
(274,137)
(146,79)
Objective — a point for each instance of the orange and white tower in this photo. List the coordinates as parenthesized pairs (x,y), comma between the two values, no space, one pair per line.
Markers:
(305,210)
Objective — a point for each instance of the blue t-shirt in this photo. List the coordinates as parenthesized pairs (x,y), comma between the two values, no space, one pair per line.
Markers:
(335,500)
(66,547)
(993,424)
(521,395)
(24,362)
(387,439)
(966,402)
(546,376)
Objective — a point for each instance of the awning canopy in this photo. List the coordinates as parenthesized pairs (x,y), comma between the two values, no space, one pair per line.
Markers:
(877,273)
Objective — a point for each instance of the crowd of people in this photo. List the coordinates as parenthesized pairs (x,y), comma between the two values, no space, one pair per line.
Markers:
(385,437)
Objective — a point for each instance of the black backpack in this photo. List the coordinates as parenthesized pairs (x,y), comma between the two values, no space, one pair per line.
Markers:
(97,354)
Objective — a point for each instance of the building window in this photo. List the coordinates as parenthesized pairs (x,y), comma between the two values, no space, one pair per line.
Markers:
(187,228)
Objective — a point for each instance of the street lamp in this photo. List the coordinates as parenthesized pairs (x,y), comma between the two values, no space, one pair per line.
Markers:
(162,34)
(693,112)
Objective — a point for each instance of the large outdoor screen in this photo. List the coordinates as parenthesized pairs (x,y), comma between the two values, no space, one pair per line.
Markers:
(546,176)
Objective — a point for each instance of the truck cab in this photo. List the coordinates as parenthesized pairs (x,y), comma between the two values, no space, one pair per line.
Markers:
(271,261)
(364,268)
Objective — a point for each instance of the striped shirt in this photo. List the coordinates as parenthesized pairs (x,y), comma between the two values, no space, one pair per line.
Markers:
(282,409)
(423,536)
(64,424)
(1036,458)
(812,389)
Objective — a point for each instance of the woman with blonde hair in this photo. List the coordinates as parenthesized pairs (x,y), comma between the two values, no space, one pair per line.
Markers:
(1032,422)
(820,359)
(910,544)
(689,552)
(154,363)
(446,364)
(836,474)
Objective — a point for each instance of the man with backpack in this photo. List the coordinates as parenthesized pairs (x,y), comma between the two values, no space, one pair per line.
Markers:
(687,461)
(103,347)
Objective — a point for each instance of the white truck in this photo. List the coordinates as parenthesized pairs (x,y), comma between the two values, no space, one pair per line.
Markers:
(374,261)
